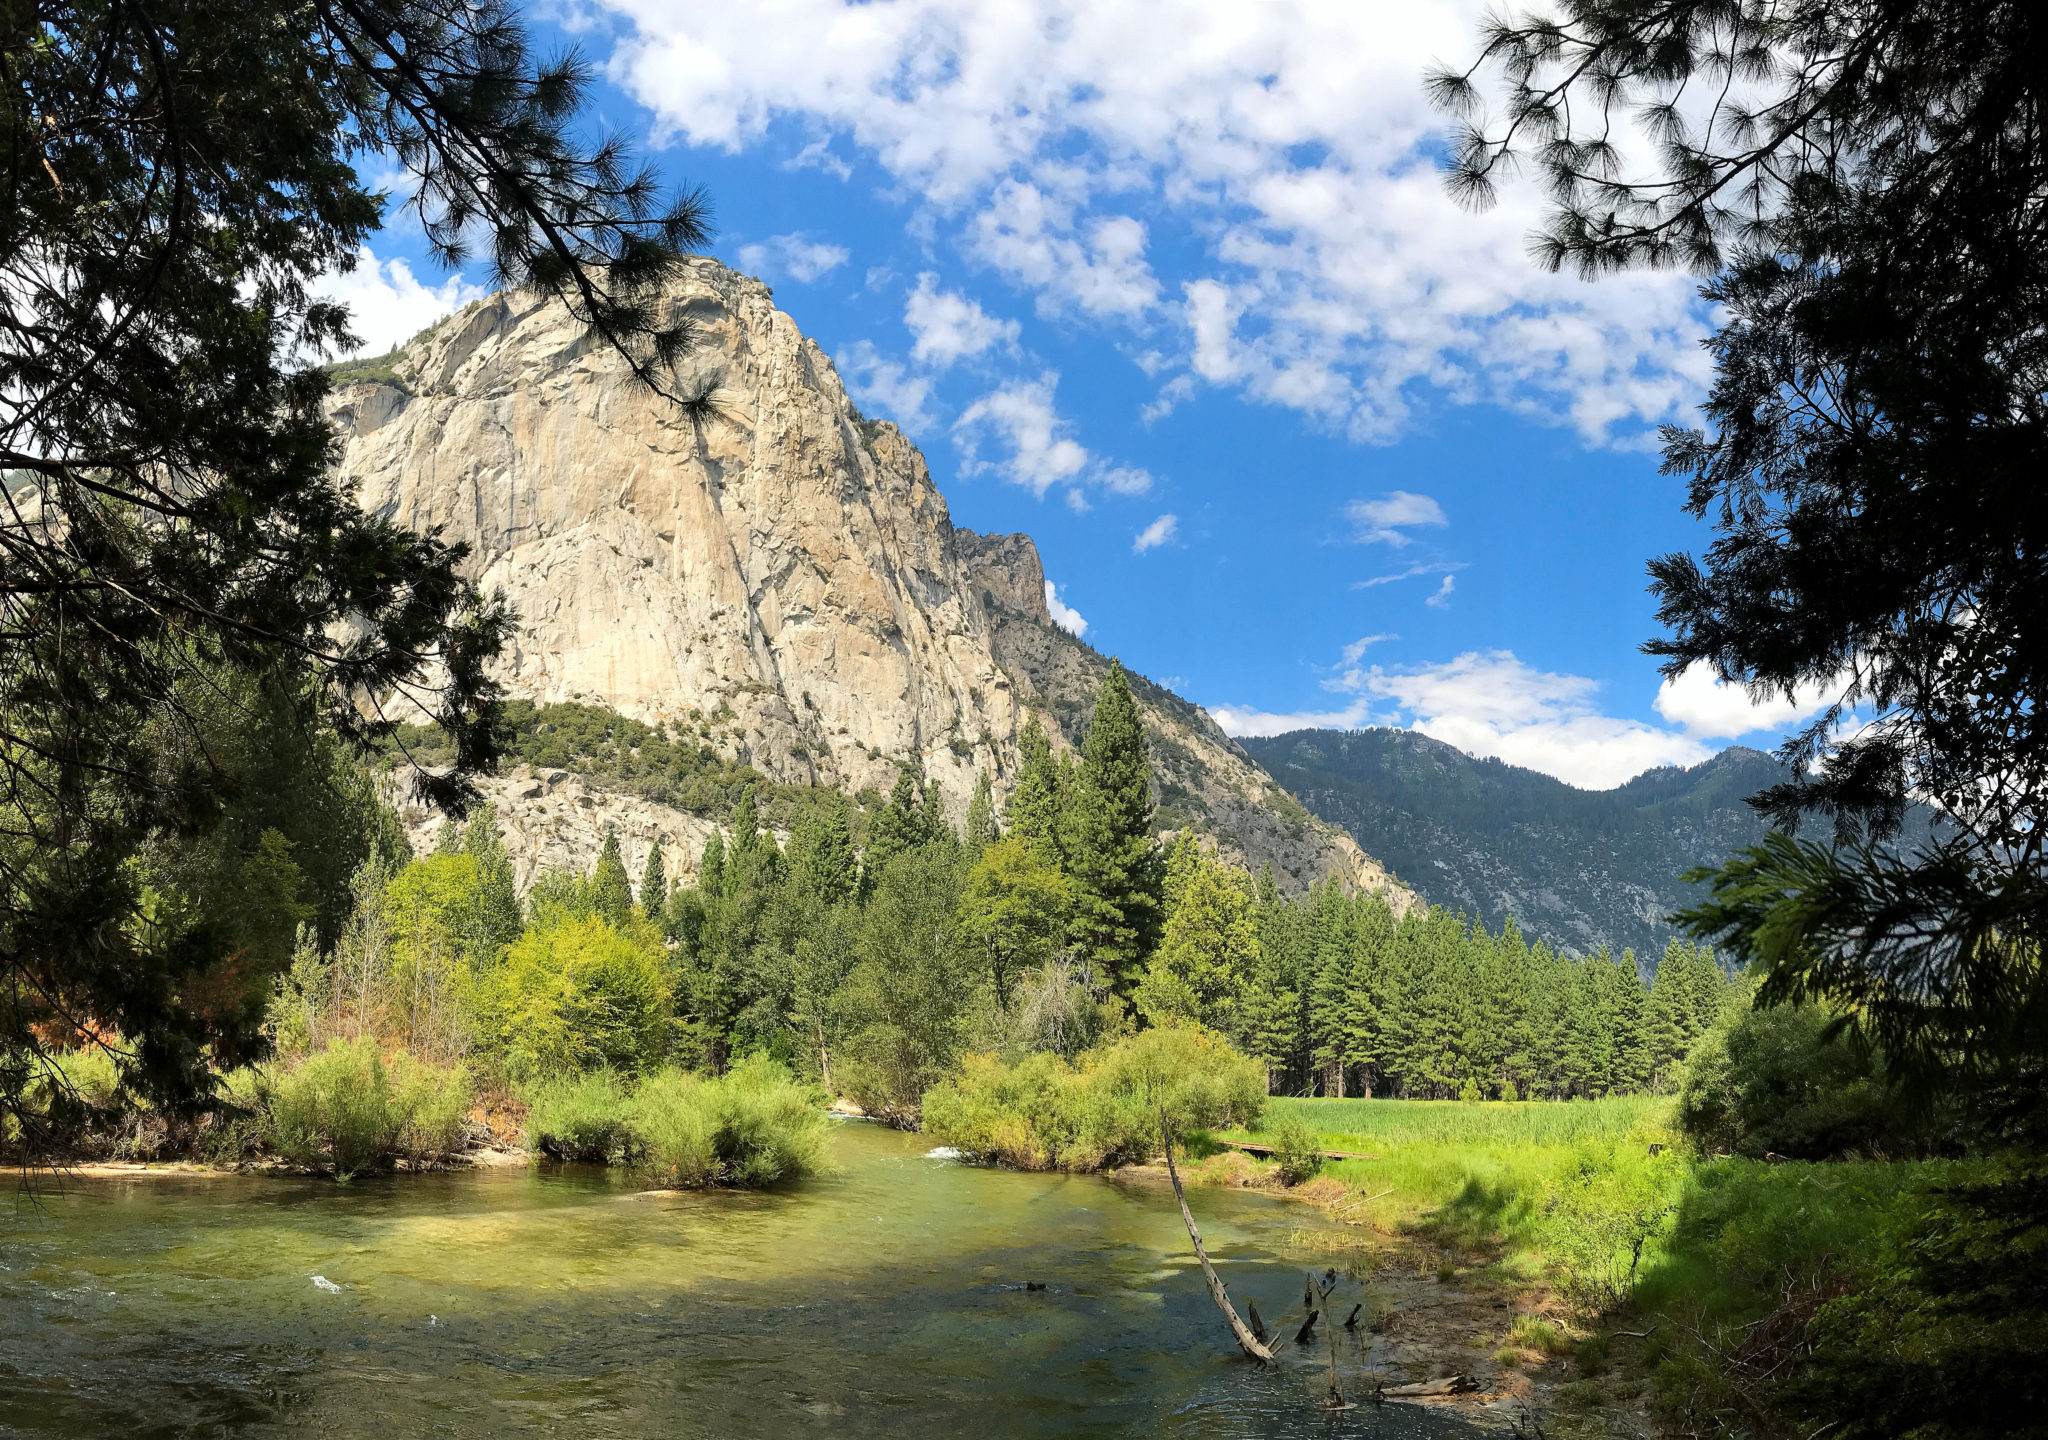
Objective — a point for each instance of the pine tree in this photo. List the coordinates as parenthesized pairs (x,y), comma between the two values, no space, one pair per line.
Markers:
(821,860)
(1632,1044)
(1036,805)
(1329,991)
(982,830)
(898,828)
(1667,1020)
(611,894)
(653,884)
(1113,857)
(711,869)
(937,828)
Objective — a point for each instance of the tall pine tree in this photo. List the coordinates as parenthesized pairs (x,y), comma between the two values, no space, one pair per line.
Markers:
(1114,859)
(653,884)
(1036,805)
(611,893)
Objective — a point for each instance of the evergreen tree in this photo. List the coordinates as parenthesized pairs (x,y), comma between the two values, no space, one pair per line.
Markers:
(498,920)
(711,868)
(653,884)
(899,827)
(611,894)
(936,826)
(1036,805)
(1667,1020)
(1113,857)
(1632,1041)
(1209,948)
(821,858)
(1513,1004)
(982,830)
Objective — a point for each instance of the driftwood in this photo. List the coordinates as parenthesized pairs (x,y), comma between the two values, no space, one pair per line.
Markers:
(1450,1385)
(1335,1400)
(1246,1341)
(1313,1304)
(1351,1322)
(1258,1325)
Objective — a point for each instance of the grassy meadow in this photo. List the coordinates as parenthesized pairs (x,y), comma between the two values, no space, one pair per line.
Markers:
(1673,1282)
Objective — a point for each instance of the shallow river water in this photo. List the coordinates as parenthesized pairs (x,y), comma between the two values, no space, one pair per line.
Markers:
(888,1298)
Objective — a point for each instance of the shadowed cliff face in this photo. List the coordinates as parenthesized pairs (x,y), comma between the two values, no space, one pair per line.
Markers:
(784,569)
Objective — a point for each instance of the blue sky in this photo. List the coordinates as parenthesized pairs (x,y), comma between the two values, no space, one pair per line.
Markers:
(1175,288)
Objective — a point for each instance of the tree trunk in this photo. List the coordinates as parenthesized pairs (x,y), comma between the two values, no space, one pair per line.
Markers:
(1333,1079)
(1246,1341)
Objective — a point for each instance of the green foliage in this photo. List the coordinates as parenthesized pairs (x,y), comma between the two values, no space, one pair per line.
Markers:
(751,1127)
(1110,851)
(653,884)
(575,994)
(1784,1082)
(611,893)
(1611,1202)
(1043,1113)
(179,534)
(582,1117)
(348,1109)
(982,829)
(1014,909)
(1297,1149)
(1036,804)
(910,998)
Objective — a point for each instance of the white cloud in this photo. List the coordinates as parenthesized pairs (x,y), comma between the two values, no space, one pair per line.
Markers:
(1489,703)
(1285,149)
(1384,521)
(1425,567)
(1442,599)
(883,384)
(804,261)
(1021,419)
(1157,533)
(948,326)
(387,305)
(1064,616)
(1711,708)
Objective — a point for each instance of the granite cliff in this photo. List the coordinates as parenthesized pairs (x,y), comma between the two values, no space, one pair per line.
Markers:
(781,574)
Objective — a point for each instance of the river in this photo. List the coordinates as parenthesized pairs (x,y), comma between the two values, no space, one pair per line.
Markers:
(887,1298)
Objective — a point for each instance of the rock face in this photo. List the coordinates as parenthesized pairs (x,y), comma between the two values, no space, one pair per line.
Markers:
(783,566)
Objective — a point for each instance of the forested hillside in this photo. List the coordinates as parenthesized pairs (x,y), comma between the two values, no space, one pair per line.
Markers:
(1579,868)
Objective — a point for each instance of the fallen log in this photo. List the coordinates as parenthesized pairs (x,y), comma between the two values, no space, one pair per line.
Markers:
(1449,1385)
(1256,1148)
(1246,1341)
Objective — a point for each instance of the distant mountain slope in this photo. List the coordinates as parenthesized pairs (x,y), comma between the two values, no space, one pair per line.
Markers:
(1575,867)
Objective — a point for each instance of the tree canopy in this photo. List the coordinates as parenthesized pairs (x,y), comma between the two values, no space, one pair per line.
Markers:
(177,179)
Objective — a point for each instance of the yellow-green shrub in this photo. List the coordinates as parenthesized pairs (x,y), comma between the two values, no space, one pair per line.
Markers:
(346,1110)
(1042,1113)
(576,994)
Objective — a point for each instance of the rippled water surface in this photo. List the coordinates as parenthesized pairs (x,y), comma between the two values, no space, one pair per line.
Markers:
(885,1299)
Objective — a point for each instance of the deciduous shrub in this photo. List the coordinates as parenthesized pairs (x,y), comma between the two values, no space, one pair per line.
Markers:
(577,994)
(751,1127)
(347,1110)
(1296,1147)
(1042,1113)
(1774,1082)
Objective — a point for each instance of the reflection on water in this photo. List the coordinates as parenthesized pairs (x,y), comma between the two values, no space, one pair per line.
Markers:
(892,1297)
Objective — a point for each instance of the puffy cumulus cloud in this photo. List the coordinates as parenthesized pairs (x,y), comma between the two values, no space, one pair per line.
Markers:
(801,260)
(1156,534)
(948,326)
(1385,521)
(1063,615)
(387,303)
(1034,444)
(1283,153)
(1489,703)
(1712,708)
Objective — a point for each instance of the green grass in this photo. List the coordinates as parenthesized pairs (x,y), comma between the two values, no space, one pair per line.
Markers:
(1463,1122)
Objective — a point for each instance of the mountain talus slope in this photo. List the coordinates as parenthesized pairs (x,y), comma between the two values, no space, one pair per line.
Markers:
(782,575)
(1578,868)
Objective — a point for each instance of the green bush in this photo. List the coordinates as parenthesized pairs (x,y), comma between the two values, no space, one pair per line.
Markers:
(576,994)
(1297,1148)
(584,1118)
(1773,1082)
(1042,1113)
(345,1110)
(752,1126)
